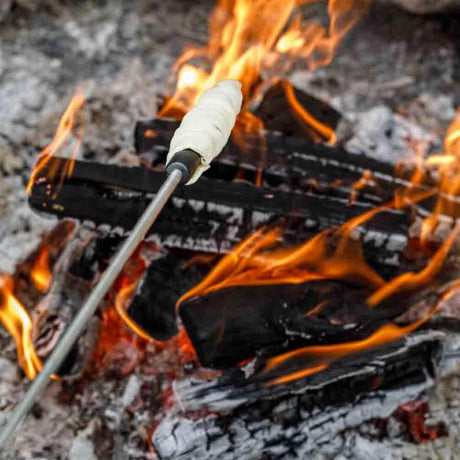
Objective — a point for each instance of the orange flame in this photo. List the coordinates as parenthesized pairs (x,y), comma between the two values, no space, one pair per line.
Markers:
(257,260)
(305,118)
(365,180)
(64,129)
(41,273)
(248,38)
(324,355)
(16,320)
(122,298)
(446,169)
(410,281)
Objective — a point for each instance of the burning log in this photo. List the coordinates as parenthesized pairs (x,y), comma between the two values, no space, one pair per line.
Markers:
(233,324)
(293,162)
(61,303)
(201,220)
(278,113)
(251,419)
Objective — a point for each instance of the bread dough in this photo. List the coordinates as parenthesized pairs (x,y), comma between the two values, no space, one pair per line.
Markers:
(205,129)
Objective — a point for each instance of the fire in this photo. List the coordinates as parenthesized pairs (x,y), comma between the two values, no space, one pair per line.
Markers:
(335,254)
(409,281)
(305,119)
(64,129)
(250,39)
(332,254)
(122,299)
(41,273)
(365,180)
(323,355)
(446,170)
(16,320)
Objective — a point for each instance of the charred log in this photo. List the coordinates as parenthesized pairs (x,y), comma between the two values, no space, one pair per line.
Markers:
(251,419)
(56,310)
(275,112)
(232,324)
(210,216)
(236,323)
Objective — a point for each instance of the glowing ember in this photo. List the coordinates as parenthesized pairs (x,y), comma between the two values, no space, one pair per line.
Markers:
(250,38)
(64,129)
(16,320)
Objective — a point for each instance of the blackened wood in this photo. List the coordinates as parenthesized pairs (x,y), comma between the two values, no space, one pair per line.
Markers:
(236,323)
(154,303)
(210,216)
(357,373)
(274,111)
(232,324)
(291,161)
(250,420)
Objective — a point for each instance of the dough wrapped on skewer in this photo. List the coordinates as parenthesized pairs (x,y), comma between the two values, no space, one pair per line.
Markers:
(205,129)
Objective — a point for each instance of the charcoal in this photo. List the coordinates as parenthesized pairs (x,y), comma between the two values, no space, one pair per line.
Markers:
(249,419)
(95,256)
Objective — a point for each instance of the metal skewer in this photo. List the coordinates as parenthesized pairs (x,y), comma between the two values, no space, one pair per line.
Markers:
(178,171)
(206,129)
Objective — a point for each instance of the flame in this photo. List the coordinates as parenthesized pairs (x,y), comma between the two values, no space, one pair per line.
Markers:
(16,320)
(64,129)
(409,281)
(122,299)
(332,254)
(41,273)
(446,170)
(305,119)
(253,38)
(257,261)
(324,355)
(366,179)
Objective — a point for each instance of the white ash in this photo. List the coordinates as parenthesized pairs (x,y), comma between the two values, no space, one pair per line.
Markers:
(383,135)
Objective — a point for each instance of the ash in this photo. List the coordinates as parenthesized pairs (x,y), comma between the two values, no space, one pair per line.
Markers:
(393,77)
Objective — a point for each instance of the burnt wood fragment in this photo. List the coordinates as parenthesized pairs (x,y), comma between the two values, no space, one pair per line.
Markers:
(154,303)
(236,323)
(274,111)
(249,419)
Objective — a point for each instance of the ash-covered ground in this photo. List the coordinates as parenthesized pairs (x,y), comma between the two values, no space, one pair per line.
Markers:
(394,76)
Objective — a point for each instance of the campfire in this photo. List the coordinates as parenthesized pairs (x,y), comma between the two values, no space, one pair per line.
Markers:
(296,291)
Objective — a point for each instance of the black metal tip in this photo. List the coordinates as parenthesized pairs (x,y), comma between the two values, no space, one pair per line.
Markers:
(186,161)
